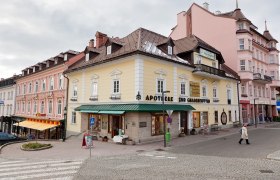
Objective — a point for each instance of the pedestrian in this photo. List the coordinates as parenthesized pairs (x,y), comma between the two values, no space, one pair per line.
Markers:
(244,134)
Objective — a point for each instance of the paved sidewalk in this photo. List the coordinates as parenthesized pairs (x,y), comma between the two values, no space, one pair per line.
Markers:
(71,149)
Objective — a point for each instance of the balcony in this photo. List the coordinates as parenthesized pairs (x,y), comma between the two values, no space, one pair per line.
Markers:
(246,75)
(207,71)
(263,79)
(275,83)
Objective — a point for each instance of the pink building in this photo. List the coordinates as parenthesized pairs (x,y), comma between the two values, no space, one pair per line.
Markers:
(252,54)
(41,92)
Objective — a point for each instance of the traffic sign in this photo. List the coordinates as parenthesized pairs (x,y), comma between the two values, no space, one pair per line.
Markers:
(92,119)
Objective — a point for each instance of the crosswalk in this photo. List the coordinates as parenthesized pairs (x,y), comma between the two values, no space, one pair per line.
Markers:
(27,169)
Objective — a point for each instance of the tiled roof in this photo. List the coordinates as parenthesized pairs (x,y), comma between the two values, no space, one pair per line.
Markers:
(236,14)
(268,36)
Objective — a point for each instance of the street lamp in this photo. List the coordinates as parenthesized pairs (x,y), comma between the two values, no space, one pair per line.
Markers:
(164,125)
(255,112)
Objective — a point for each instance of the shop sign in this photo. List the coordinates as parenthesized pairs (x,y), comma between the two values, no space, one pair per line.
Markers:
(207,54)
(194,89)
(158,98)
(198,100)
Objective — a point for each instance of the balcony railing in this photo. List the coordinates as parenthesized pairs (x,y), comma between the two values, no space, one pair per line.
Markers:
(260,77)
(208,69)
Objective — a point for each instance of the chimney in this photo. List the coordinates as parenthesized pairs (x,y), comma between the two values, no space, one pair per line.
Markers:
(206,6)
(91,43)
(100,39)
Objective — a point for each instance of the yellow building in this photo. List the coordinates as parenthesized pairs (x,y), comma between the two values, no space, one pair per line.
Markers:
(122,83)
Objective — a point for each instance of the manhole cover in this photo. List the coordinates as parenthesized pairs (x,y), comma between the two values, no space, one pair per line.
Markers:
(159,150)
(140,151)
(266,171)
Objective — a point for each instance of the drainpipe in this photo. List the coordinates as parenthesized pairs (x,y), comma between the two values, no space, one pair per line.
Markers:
(238,101)
(66,106)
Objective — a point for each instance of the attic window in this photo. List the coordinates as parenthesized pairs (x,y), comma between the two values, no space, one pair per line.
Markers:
(109,49)
(34,69)
(65,57)
(27,71)
(87,56)
(55,61)
(40,67)
(169,50)
(48,64)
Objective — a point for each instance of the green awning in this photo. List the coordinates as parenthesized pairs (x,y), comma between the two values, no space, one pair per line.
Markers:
(111,112)
(135,107)
(88,111)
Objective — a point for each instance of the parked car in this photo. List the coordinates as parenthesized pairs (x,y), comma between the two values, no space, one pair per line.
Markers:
(6,137)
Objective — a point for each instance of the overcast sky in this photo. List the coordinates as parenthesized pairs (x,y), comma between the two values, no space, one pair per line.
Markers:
(32,31)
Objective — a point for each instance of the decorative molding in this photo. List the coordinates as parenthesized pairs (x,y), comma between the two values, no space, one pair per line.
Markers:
(161,72)
(115,72)
(94,76)
(183,76)
(75,80)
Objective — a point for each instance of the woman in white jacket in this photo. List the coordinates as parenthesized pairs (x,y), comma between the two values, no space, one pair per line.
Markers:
(244,134)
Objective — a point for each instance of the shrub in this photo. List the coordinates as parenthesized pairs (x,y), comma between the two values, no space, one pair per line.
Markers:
(35,145)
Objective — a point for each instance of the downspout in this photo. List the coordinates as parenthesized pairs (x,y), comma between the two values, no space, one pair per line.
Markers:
(66,107)
(238,82)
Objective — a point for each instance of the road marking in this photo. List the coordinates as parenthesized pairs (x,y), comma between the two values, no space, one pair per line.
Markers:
(172,157)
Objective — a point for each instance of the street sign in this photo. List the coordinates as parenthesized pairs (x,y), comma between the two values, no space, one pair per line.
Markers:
(169,120)
(92,119)
(169,112)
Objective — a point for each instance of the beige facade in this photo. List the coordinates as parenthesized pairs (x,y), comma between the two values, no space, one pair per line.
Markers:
(140,79)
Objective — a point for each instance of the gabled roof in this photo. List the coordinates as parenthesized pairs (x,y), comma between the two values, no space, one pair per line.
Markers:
(268,36)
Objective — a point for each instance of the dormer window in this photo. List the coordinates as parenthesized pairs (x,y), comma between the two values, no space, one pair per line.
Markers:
(40,67)
(240,26)
(55,61)
(48,64)
(34,69)
(109,50)
(65,57)
(169,50)
(27,71)
(87,56)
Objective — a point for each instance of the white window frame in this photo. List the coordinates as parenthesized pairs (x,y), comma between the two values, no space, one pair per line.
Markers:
(242,65)
(183,88)
(50,107)
(160,87)
(59,106)
(116,86)
(42,107)
(94,88)
(241,44)
(75,90)
(30,88)
(169,50)
(60,81)
(35,107)
(43,85)
(87,57)
(28,107)
(36,86)
(23,107)
(109,50)
(51,84)
(243,89)
(73,118)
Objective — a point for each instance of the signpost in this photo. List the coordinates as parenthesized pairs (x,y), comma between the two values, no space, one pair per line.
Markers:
(92,119)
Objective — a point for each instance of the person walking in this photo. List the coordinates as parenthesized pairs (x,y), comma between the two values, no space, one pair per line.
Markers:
(244,134)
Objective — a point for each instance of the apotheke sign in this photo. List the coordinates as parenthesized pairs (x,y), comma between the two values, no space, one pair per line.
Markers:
(158,98)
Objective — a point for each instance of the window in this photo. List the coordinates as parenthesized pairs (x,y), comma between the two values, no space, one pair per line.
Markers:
(75,90)
(23,107)
(51,83)
(250,90)
(242,65)
(60,81)
(216,117)
(229,96)
(255,91)
(183,88)
(44,85)
(94,89)
(73,119)
(169,50)
(18,108)
(4,95)
(65,57)
(258,55)
(42,107)
(214,92)
(260,92)
(243,89)
(272,74)
(35,107)
(116,86)
(24,89)
(267,92)
(240,25)
(30,88)
(55,61)
(272,93)
(157,125)
(263,91)
(214,64)
(250,65)
(28,106)
(50,106)
(160,85)
(59,107)
(109,49)
(87,56)
(36,86)
(241,44)
(249,44)
(204,92)
(229,116)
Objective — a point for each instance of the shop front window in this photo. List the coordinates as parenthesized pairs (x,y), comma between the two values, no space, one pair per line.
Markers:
(157,124)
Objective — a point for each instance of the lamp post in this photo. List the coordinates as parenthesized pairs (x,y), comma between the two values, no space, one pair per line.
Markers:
(164,124)
(255,112)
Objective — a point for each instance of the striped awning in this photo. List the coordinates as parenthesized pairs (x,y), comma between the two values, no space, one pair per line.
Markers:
(36,125)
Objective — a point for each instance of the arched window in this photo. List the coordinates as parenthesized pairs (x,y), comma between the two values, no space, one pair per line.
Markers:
(42,107)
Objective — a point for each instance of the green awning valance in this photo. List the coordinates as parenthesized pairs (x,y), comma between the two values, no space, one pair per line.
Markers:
(111,112)
(134,107)
(88,111)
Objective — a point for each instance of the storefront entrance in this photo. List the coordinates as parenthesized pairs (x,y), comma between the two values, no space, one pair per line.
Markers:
(116,125)
(184,122)
(196,119)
